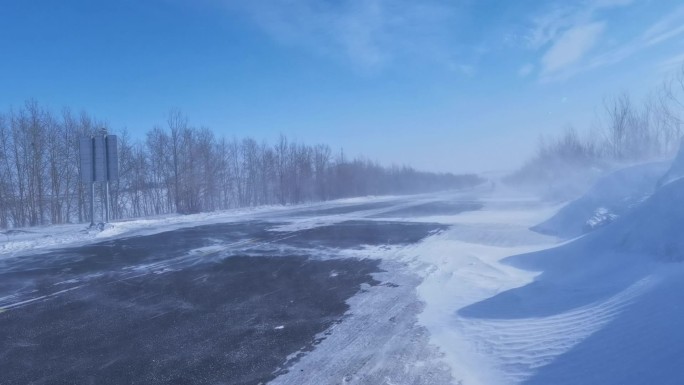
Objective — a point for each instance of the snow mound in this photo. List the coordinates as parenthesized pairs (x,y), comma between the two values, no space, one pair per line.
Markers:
(650,231)
(653,228)
(611,196)
(603,309)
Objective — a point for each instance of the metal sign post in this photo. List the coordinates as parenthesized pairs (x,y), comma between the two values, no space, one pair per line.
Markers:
(99,162)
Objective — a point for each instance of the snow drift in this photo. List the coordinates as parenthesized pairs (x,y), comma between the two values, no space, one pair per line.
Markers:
(610,197)
(604,308)
(654,228)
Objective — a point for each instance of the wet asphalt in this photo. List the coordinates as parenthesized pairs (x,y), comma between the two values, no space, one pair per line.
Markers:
(213,304)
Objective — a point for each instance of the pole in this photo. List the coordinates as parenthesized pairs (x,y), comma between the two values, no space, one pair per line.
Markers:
(106,182)
(92,183)
(92,204)
(106,202)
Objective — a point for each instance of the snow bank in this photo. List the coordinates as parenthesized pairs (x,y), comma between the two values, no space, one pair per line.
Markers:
(654,228)
(509,306)
(611,196)
(15,243)
(602,309)
(19,241)
(651,230)
(460,267)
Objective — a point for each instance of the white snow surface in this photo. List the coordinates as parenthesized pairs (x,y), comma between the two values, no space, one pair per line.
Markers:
(610,197)
(603,309)
(490,301)
(17,242)
(505,305)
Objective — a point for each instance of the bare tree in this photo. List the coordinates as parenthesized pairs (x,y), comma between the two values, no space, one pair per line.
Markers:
(182,169)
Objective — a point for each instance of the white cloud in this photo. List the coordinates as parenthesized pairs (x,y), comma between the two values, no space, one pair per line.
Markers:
(568,35)
(550,25)
(661,31)
(367,33)
(571,47)
(668,27)
(525,70)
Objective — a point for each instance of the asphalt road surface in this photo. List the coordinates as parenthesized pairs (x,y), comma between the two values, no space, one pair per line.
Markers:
(214,304)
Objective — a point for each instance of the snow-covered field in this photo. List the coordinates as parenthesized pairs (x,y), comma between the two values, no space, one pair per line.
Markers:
(490,301)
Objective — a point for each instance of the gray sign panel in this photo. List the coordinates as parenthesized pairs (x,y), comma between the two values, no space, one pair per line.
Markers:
(100,160)
(112,158)
(85,147)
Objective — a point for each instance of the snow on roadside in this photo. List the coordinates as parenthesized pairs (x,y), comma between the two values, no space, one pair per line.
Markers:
(614,292)
(508,306)
(19,241)
(610,197)
(44,238)
(461,267)
(653,228)
(452,270)
(503,304)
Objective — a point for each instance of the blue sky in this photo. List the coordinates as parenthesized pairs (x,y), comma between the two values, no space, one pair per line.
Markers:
(441,85)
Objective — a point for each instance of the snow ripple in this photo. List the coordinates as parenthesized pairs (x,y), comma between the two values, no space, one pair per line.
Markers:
(518,347)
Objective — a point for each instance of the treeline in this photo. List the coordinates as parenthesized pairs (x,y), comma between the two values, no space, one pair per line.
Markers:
(178,168)
(625,132)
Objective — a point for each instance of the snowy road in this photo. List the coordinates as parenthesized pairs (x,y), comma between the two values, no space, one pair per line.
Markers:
(242,302)
(433,289)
